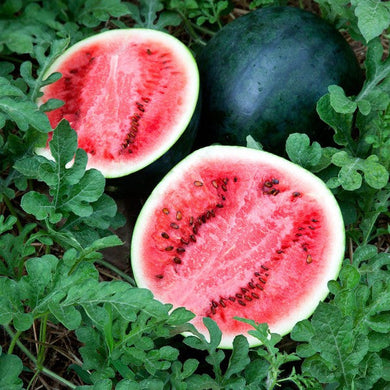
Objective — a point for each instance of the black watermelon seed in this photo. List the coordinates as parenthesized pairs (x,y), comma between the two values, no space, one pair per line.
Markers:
(183,241)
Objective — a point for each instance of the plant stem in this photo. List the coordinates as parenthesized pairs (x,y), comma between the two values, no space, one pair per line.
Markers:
(14,340)
(44,370)
(112,267)
(42,341)
(11,209)
(203,30)
(191,31)
(272,377)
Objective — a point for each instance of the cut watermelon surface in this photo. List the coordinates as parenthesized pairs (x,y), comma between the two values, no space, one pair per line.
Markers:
(129,94)
(232,231)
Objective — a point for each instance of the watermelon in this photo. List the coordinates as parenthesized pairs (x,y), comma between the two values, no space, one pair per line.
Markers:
(130,94)
(238,232)
(263,73)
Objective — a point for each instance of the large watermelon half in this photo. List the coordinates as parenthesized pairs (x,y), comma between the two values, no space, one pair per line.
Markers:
(232,231)
(130,94)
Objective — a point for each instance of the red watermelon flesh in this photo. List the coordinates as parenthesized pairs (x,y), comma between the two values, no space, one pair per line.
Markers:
(129,94)
(234,232)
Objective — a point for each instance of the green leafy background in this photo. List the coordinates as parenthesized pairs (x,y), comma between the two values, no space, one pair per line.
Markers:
(60,300)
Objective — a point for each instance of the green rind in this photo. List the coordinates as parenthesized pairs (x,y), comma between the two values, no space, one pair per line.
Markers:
(169,178)
(263,73)
(159,164)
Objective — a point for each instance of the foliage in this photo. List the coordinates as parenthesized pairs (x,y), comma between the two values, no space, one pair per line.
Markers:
(56,218)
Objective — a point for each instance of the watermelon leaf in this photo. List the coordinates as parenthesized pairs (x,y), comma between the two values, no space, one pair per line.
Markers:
(341,123)
(301,152)
(339,101)
(94,12)
(201,11)
(23,113)
(74,193)
(350,325)
(375,174)
(10,368)
(373,17)
(239,358)
(252,143)
(151,14)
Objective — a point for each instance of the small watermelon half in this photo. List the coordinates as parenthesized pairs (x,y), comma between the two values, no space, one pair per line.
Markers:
(237,232)
(130,95)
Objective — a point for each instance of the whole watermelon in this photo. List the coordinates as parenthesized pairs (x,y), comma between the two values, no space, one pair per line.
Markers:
(263,73)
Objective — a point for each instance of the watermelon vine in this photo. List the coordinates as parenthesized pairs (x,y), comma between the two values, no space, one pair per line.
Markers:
(69,317)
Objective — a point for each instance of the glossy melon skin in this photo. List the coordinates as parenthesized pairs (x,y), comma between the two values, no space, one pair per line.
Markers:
(263,74)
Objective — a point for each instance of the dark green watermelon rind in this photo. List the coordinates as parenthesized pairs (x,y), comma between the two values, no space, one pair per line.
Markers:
(147,212)
(245,93)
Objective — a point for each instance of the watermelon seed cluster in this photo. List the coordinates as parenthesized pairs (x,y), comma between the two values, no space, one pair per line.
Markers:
(250,291)
(268,187)
(193,222)
(255,286)
(134,125)
(245,294)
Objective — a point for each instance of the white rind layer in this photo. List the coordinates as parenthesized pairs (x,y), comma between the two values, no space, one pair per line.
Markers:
(237,154)
(123,168)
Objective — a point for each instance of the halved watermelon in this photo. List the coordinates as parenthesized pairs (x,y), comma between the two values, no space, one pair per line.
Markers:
(130,95)
(232,231)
